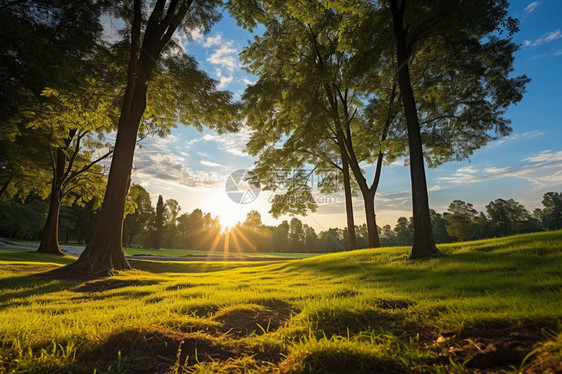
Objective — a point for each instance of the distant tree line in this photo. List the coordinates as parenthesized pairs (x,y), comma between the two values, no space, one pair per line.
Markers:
(164,226)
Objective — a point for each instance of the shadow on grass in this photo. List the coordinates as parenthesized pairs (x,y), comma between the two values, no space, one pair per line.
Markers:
(20,287)
(158,267)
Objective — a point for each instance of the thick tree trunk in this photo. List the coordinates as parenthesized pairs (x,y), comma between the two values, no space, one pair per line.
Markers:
(50,236)
(369,200)
(352,237)
(104,252)
(424,246)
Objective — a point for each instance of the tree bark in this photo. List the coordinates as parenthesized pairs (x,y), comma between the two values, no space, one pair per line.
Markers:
(373,235)
(424,245)
(50,235)
(352,238)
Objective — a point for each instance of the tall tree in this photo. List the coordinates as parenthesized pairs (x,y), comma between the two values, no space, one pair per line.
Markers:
(307,94)
(453,69)
(196,102)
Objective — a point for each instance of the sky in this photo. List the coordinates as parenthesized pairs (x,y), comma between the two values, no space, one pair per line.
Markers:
(193,167)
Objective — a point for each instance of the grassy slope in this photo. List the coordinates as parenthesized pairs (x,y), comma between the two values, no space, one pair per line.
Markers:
(490,301)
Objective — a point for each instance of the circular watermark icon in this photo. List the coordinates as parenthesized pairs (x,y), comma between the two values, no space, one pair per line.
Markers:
(240,189)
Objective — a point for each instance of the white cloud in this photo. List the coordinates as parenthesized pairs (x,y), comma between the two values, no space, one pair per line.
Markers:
(211,164)
(546,38)
(467,169)
(225,56)
(435,188)
(532,6)
(248,82)
(155,161)
(233,143)
(540,169)
(196,34)
(223,80)
(213,40)
(545,156)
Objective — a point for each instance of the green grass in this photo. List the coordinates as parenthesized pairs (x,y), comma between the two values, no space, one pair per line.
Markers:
(492,304)
(182,252)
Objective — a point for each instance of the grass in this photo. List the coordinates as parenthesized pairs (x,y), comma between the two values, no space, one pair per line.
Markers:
(183,252)
(490,304)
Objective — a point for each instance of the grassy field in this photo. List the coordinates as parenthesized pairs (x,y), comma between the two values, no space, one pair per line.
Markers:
(491,305)
(182,252)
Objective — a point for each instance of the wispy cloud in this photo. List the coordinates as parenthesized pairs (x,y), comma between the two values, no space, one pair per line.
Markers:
(546,38)
(542,168)
(532,6)
(156,161)
(517,136)
(211,164)
(233,143)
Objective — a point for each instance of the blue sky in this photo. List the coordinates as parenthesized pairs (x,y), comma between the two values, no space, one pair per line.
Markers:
(192,167)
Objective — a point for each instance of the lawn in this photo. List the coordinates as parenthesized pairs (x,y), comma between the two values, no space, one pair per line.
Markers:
(491,304)
(182,252)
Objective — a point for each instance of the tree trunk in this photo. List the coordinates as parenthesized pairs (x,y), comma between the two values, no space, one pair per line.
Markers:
(352,238)
(373,235)
(104,252)
(424,246)
(50,236)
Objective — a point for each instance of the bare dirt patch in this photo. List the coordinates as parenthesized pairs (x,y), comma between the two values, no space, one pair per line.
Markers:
(246,319)
(493,348)
(153,351)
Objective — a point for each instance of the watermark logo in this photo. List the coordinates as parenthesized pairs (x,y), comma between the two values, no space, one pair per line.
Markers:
(239,187)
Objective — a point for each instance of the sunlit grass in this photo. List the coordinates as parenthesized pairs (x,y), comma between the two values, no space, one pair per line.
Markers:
(362,311)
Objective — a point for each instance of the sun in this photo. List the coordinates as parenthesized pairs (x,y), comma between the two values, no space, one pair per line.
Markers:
(229,218)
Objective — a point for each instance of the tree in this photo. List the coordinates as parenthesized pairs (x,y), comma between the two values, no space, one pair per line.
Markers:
(37,51)
(552,202)
(462,33)
(280,237)
(508,217)
(453,56)
(296,235)
(307,97)
(196,101)
(403,232)
(73,124)
(461,218)
(158,222)
(439,227)
(137,220)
